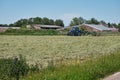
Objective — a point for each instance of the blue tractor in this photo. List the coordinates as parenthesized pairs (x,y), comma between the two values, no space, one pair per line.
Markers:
(74,32)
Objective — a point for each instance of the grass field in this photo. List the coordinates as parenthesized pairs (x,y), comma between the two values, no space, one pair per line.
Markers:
(101,55)
(42,48)
(93,69)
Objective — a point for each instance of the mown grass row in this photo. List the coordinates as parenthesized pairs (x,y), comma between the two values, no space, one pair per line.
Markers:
(92,69)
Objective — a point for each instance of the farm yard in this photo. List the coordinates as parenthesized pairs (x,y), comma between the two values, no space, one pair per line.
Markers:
(64,50)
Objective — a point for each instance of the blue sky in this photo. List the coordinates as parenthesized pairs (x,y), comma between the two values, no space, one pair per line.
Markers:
(13,10)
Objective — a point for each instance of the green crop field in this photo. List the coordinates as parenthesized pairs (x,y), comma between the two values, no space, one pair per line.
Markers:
(43,48)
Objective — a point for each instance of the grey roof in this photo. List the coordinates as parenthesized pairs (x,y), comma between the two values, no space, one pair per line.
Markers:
(99,27)
(46,26)
(9,27)
(50,26)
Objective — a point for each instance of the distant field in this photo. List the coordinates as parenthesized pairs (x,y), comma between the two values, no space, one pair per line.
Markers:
(42,48)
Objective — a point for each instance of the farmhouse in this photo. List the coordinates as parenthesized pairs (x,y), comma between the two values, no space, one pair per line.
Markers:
(97,28)
(36,26)
(3,29)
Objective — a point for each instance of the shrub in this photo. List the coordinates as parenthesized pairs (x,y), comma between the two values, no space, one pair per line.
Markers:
(5,67)
(19,67)
(13,68)
(30,32)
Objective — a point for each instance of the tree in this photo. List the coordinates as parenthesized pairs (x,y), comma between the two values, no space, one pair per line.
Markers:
(77,21)
(103,23)
(37,20)
(59,22)
(74,22)
(1,25)
(119,27)
(11,25)
(45,21)
(109,25)
(24,22)
(93,21)
(114,25)
(51,21)
(30,20)
(20,23)
(81,20)
(4,25)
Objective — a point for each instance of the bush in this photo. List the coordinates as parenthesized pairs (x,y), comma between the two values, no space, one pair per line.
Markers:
(84,32)
(30,32)
(5,67)
(95,33)
(13,68)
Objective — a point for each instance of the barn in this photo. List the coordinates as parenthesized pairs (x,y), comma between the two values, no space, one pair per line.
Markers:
(94,28)
(3,29)
(37,26)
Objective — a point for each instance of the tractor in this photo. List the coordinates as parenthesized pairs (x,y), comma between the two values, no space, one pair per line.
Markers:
(74,32)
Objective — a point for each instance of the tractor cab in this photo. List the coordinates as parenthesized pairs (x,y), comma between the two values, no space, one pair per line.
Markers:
(74,32)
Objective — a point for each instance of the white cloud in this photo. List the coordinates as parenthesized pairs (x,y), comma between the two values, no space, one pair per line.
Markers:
(68,17)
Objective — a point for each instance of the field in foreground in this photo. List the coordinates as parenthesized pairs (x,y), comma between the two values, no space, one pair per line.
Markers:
(93,69)
(42,48)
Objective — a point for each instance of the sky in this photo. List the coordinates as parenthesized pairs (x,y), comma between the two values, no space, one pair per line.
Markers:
(13,10)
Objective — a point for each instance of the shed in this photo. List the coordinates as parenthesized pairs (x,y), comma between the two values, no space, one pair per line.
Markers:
(3,29)
(95,28)
(37,26)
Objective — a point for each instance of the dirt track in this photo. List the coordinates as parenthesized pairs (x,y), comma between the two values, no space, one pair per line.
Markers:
(115,76)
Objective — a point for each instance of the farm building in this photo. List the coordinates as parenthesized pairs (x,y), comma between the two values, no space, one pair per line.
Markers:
(3,29)
(97,28)
(114,29)
(36,26)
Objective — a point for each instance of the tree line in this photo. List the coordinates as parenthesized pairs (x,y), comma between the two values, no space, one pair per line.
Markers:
(36,20)
(46,21)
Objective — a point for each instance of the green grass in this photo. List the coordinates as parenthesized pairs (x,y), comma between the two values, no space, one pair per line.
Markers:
(93,69)
(109,33)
